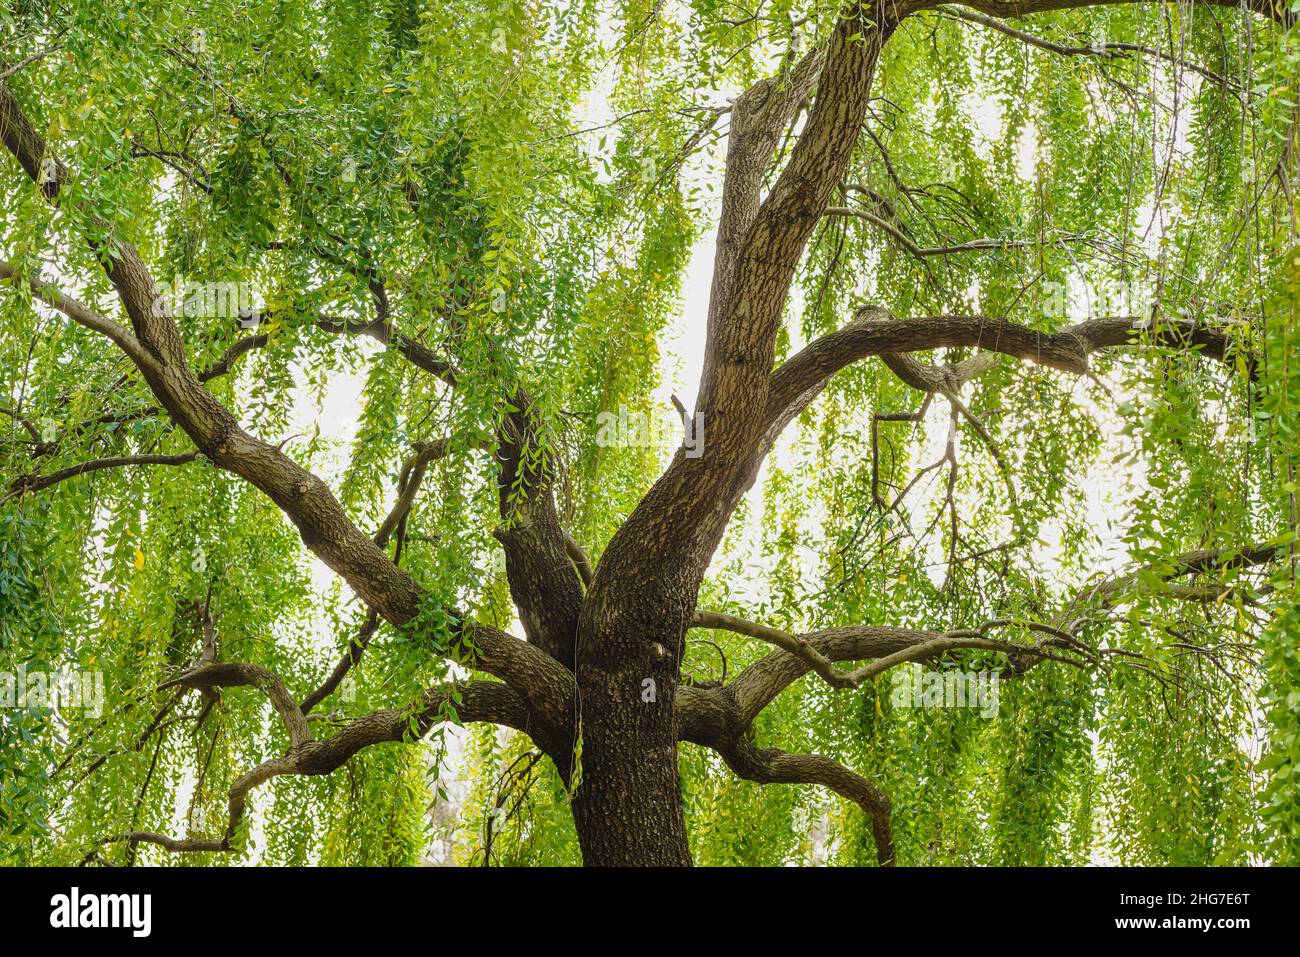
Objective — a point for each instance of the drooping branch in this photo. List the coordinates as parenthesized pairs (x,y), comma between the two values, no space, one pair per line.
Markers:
(736,390)
(476,701)
(876,419)
(774,766)
(928,378)
(945,380)
(223,366)
(6,71)
(720,718)
(237,349)
(408,486)
(159,353)
(715,718)
(789,392)
(544,589)
(977,424)
(35,482)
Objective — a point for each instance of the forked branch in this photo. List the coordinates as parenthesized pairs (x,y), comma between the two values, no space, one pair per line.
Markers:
(472,701)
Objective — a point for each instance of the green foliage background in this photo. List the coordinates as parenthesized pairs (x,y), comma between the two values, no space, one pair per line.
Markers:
(306,130)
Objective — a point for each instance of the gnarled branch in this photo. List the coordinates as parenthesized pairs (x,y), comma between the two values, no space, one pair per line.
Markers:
(159,353)
(485,701)
(774,766)
(876,331)
(817,652)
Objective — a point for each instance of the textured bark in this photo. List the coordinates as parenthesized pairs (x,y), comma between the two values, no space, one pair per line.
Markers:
(544,582)
(479,701)
(644,591)
(773,766)
(159,353)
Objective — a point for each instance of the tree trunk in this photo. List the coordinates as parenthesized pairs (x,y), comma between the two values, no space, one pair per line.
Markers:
(627,807)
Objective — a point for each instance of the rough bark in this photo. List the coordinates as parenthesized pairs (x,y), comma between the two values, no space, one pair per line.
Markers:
(544,583)
(628,809)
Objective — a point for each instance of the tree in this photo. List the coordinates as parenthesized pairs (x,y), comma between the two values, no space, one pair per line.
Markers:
(881,276)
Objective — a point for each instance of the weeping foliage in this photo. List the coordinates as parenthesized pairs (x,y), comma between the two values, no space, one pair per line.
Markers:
(538,183)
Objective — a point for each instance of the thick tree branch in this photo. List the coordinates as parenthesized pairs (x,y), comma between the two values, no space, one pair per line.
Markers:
(159,353)
(758,118)
(681,519)
(416,352)
(758,684)
(773,766)
(581,563)
(232,674)
(937,378)
(876,331)
(544,582)
(74,310)
(479,701)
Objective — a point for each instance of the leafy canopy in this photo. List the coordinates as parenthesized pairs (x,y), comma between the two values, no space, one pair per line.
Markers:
(532,187)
